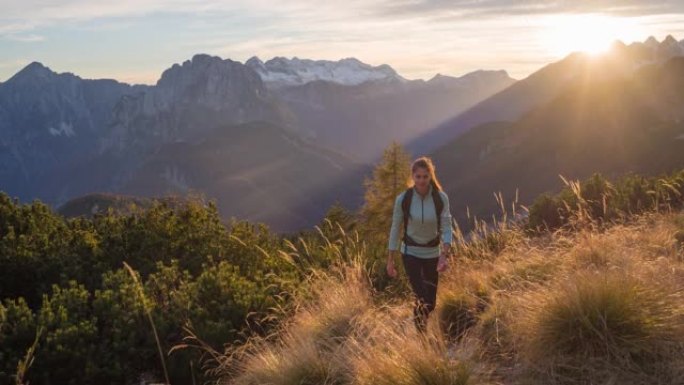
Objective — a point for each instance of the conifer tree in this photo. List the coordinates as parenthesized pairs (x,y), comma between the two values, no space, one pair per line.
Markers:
(390,177)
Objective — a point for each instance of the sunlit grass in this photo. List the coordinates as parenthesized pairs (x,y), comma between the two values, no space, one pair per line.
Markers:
(584,304)
(600,326)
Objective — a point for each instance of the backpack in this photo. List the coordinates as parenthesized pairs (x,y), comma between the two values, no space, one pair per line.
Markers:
(406,206)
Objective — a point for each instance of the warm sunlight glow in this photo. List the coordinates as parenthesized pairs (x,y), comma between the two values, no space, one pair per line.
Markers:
(588,33)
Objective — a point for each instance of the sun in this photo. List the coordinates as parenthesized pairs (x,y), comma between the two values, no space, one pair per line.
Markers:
(590,33)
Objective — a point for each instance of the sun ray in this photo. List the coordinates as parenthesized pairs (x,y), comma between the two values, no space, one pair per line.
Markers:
(590,33)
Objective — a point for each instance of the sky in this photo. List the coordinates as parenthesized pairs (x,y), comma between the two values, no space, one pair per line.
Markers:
(134,41)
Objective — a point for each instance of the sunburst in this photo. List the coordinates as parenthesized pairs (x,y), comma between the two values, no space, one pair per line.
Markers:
(590,33)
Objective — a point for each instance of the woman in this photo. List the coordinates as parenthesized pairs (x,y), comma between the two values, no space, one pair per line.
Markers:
(423,211)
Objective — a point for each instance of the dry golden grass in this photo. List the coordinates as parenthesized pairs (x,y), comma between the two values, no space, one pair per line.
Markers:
(589,306)
(583,306)
(402,358)
(341,337)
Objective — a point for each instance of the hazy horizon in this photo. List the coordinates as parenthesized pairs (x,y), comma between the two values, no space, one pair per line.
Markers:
(135,41)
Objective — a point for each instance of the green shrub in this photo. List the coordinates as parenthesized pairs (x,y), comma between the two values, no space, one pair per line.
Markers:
(602,201)
(545,212)
(70,335)
(17,328)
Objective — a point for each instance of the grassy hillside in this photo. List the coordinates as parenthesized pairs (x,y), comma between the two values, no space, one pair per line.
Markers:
(598,300)
(588,304)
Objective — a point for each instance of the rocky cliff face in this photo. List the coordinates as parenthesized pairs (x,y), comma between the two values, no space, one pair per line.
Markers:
(49,122)
(188,102)
(61,135)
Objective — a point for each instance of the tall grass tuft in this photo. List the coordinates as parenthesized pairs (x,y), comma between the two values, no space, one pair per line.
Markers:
(460,299)
(24,364)
(288,362)
(598,327)
(494,332)
(486,240)
(399,359)
(308,348)
(145,303)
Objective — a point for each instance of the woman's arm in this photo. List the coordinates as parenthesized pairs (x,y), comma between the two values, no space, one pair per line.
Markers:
(397,221)
(445,221)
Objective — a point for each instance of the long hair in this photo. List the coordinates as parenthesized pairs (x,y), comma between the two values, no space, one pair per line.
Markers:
(426,163)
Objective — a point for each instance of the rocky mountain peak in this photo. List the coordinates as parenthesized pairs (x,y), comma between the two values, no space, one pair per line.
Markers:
(669,40)
(478,76)
(189,101)
(670,47)
(208,80)
(35,70)
(254,62)
(651,42)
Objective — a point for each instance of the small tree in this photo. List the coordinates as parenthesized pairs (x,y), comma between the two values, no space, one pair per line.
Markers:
(390,177)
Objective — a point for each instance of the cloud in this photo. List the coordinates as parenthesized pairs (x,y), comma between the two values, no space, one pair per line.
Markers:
(30,38)
(15,27)
(416,37)
(14,63)
(26,15)
(56,10)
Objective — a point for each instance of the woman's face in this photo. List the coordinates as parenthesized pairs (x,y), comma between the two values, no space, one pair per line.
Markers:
(421,178)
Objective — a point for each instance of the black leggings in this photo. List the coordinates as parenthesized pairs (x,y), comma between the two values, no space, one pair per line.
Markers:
(422,274)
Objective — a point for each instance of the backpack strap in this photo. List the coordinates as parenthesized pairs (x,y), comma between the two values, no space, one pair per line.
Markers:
(406,207)
(439,207)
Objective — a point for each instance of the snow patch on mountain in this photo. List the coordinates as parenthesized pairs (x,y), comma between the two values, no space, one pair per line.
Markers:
(65,129)
(282,72)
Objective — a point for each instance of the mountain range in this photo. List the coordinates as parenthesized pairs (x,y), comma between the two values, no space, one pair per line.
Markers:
(62,137)
(548,82)
(617,113)
(281,141)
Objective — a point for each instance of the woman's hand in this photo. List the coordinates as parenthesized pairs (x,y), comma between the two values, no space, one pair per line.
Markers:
(391,271)
(442,263)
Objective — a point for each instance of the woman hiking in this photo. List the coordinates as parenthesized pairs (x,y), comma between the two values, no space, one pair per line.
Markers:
(423,211)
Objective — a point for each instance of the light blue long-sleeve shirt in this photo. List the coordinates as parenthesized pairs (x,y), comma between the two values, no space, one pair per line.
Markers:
(422,224)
